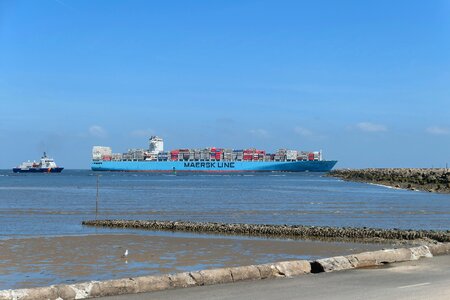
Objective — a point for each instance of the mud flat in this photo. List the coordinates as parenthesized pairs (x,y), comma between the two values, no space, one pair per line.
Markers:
(143,284)
(41,261)
(157,263)
(430,180)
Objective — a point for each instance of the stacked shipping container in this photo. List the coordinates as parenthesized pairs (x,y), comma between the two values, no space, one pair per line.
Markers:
(206,154)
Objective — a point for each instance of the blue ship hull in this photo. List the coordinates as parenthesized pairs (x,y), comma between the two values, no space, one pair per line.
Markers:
(38,170)
(213,166)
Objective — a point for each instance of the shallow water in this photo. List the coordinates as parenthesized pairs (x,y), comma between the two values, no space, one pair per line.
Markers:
(55,204)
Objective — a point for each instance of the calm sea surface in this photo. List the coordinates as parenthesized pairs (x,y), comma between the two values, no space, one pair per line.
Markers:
(55,204)
(42,241)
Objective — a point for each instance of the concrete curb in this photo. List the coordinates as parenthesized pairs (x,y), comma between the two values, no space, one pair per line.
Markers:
(440,248)
(370,259)
(94,289)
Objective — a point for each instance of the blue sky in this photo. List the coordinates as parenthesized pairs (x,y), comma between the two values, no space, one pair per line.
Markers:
(366,81)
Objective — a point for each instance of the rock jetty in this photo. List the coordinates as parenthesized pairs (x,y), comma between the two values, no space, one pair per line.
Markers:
(296,231)
(430,180)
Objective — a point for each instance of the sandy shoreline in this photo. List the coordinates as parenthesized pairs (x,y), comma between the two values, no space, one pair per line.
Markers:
(41,261)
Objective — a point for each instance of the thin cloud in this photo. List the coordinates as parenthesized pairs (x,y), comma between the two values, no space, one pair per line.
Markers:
(303,131)
(437,130)
(97,131)
(371,127)
(260,133)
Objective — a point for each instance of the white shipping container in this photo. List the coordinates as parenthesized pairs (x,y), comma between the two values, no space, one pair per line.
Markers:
(317,155)
(291,154)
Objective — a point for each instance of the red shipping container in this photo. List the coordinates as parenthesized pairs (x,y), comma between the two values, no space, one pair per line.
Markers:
(311,156)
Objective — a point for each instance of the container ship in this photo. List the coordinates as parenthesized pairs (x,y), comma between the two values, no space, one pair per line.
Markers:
(45,165)
(212,159)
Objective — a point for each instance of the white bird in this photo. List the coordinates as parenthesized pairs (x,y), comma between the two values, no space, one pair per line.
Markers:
(125,255)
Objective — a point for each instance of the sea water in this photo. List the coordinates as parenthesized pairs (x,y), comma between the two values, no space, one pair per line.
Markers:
(42,240)
(56,204)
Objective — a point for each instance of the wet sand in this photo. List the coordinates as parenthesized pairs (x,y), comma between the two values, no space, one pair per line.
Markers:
(32,262)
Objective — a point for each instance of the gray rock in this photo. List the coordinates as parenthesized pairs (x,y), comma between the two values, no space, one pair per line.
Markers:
(420,252)
(216,276)
(180,280)
(440,248)
(268,271)
(245,273)
(332,264)
(152,283)
(293,268)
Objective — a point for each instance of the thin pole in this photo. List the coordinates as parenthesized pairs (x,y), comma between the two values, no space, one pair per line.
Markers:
(96,201)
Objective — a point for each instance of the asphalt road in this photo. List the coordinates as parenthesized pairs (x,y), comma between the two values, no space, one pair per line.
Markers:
(423,279)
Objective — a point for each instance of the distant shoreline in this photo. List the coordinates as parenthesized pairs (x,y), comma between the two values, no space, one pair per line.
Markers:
(427,180)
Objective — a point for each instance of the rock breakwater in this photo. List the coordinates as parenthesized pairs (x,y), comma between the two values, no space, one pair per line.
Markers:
(431,180)
(297,231)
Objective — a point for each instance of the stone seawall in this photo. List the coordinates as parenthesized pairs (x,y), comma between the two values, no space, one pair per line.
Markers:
(298,231)
(431,180)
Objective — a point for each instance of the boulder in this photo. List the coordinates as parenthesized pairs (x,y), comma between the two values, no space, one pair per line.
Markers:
(114,287)
(216,276)
(374,258)
(268,271)
(35,293)
(245,273)
(419,252)
(181,280)
(293,268)
(152,283)
(65,292)
(198,278)
(440,249)
(331,264)
(85,290)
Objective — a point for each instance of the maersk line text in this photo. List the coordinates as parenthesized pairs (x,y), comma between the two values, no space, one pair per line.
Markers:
(209,165)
